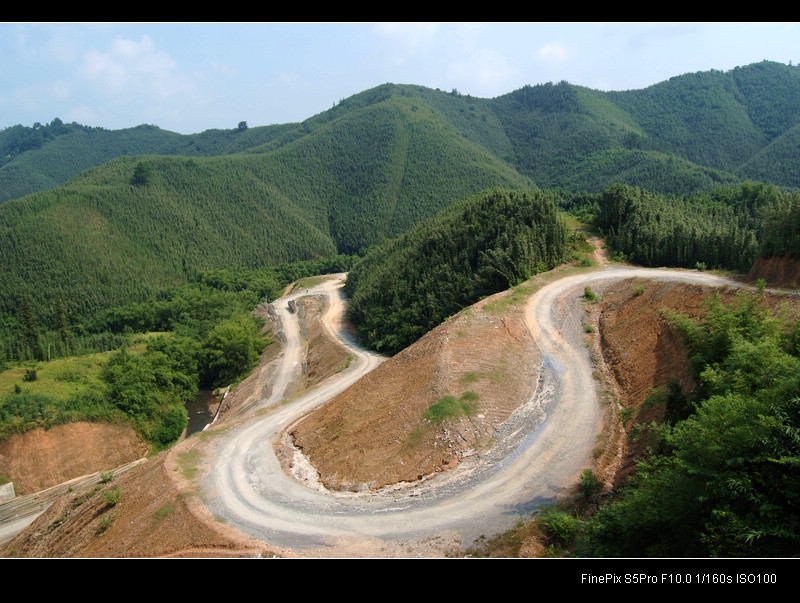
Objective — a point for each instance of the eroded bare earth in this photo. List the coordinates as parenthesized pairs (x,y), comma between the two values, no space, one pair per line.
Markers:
(163,510)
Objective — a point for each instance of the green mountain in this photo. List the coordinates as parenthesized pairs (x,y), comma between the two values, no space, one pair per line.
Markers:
(493,241)
(45,156)
(158,206)
(689,133)
(130,228)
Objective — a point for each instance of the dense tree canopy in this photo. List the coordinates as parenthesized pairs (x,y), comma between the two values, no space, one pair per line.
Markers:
(487,244)
(729,484)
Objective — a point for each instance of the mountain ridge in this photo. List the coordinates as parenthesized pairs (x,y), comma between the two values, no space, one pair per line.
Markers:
(682,116)
(368,170)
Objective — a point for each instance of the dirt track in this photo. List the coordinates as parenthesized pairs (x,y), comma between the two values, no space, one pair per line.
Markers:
(539,454)
(533,454)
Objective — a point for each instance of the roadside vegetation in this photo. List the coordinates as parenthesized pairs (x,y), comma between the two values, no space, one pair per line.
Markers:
(129,285)
(721,475)
(203,334)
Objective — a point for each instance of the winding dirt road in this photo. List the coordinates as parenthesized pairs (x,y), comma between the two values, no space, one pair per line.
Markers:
(539,454)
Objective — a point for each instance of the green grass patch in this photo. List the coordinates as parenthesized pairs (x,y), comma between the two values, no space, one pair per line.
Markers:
(189,462)
(105,523)
(112,496)
(589,295)
(346,363)
(450,407)
(469,377)
(309,282)
(58,379)
(518,295)
(165,511)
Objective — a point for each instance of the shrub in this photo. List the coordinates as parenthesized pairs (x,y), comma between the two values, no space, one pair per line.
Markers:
(589,483)
(173,425)
(560,527)
(105,523)
(111,497)
(450,407)
(589,295)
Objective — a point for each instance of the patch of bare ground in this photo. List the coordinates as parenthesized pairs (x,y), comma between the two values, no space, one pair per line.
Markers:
(324,355)
(40,458)
(376,433)
(154,513)
(599,253)
(777,271)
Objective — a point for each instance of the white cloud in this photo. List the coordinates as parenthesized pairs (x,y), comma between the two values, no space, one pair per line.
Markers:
(224,70)
(552,53)
(403,42)
(130,67)
(61,89)
(484,72)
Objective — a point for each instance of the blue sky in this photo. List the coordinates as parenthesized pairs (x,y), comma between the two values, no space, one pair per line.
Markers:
(189,77)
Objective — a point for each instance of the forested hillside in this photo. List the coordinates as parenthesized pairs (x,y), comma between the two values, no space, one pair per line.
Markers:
(136,226)
(380,162)
(692,132)
(44,156)
(486,244)
(374,166)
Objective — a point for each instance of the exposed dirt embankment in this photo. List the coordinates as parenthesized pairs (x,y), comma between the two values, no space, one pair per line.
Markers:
(778,271)
(42,458)
(642,351)
(324,356)
(375,433)
(153,517)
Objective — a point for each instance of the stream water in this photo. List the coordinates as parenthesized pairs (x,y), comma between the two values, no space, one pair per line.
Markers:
(201,410)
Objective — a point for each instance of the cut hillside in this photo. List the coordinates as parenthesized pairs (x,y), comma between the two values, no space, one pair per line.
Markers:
(324,355)
(151,511)
(777,271)
(424,409)
(40,458)
(642,352)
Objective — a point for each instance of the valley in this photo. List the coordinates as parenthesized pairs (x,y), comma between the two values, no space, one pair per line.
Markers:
(512,371)
(248,475)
